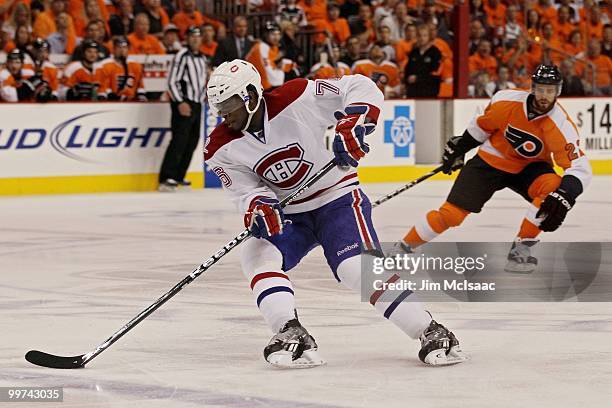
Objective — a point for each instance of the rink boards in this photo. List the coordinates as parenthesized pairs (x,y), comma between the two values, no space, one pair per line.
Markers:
(94,147)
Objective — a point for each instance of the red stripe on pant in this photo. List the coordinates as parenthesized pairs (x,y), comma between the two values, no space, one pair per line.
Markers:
(361,223)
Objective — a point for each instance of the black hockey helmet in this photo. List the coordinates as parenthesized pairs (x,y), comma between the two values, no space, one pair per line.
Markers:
(194,30)
(90,44)
(41,44)
(121,41)
(271,26)
(547,75)
(15,55)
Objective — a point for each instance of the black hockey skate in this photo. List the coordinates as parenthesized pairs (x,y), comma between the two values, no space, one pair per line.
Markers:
(293,347)
(439,346)
(399,248)
(519,257)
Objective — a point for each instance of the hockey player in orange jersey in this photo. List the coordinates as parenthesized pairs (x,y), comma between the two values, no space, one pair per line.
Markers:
(121,79)
(384,73)
(520,133)
(82,78)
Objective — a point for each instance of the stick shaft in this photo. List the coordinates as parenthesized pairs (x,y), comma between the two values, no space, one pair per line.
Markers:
(238,239)
(406,187)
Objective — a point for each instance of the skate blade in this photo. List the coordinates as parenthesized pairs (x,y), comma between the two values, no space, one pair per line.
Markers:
(516,267)
(440,358)
(284,359)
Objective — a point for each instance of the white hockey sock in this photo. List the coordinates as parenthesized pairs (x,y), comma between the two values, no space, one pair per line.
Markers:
(408,315)
(273,291)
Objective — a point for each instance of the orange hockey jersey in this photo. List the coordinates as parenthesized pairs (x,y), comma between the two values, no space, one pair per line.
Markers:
(9,85)
(49,72)
(511,141)
(115,79)
(386,74)
(326,71)
(76,73)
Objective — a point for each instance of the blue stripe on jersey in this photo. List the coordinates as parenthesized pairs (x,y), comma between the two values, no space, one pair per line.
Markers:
(272,290)
(396,303)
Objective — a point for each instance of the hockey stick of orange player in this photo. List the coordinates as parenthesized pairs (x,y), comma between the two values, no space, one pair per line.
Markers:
(52,361)
(406,187)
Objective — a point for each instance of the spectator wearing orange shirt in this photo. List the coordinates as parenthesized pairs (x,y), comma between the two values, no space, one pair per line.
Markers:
(337,26)
(45,22)
(95,32)
(496,13)
(482,60)
(209,45)
(141,42)
(517,60)
(121,80)
(532,26)
(603,69)
(90,11)
(574,46)
(75,9)
(562,25)
(314,9)
(188,16)
(592,27)
(546,10)
(552,47)
(404,47)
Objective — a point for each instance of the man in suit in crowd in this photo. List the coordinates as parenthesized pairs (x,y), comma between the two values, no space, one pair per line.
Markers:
(236,45)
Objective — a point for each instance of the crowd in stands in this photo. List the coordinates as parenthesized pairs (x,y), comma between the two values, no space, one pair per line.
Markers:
(406,47)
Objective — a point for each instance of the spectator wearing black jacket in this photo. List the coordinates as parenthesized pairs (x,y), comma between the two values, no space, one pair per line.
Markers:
(424,60)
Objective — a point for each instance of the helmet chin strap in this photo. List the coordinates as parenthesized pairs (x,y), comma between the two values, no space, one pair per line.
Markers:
(251,112)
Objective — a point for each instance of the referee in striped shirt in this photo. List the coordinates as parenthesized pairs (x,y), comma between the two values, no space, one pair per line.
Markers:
(187,86)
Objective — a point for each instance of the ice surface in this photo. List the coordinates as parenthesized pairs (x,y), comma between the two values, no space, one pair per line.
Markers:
(76,268)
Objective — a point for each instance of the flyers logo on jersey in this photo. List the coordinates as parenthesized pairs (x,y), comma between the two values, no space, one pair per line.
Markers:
(284,167)
(525,144)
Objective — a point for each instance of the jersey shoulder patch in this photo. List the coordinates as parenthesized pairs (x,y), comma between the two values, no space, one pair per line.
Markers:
(283,96)
(219,137)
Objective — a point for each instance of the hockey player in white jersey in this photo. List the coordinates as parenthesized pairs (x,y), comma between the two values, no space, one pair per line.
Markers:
(266,147)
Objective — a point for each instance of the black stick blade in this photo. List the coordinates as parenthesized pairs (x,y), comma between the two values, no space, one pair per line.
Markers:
(49,360)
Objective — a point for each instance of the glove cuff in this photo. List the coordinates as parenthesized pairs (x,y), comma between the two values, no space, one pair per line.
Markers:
(570,187)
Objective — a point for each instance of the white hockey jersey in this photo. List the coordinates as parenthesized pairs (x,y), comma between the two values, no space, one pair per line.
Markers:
(291,147)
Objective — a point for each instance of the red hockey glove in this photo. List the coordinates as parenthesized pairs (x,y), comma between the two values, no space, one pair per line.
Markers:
(264,218)
(349,145)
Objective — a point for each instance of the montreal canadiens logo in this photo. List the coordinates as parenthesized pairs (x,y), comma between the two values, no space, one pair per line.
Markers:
(284,167)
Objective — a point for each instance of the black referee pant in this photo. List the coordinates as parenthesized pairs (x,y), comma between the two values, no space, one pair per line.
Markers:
(185,136)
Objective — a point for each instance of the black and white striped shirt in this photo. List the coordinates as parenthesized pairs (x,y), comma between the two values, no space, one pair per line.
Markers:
(187,79)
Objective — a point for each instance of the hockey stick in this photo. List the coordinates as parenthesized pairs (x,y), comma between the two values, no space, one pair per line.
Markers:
(52,361)
(406,187)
